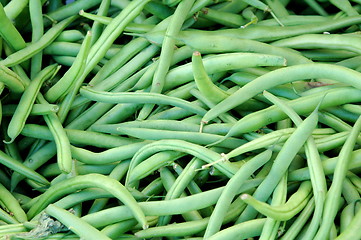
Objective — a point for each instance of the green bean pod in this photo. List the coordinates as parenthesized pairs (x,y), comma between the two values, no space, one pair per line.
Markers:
(324,41)
(222,62)
(108,156)
(27,100)
(216,219)
(203,153)
(34,48)
(248,229)
(11,80)
(63,86)
(334,193)
(9,33)
(351,232)
(272,33)
(272,114)
(282,162)
(293,231)
(204,84)
(154,163)
(12,205)
(284,212)
(274,78)
(90,180)
(75,224)
(139,97)
(271,227)
(194,137)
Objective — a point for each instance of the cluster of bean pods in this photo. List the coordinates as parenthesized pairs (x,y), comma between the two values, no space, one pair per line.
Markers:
(180,119)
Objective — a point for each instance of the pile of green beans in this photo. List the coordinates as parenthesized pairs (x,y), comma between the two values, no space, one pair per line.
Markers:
(180,119)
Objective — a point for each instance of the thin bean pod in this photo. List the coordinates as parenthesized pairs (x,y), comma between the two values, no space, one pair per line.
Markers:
(300,222)
(28,98)
(12,205)
(167,50)
(334,192)
(139,97)
(283,212)
(89,180)
(351,230)
(281,163)
(63,86)
(201,152)
(9,32)
(204,84)
(248,229)
(216,219)
(297,72)
(75,224)
(271,227)
(325,41)
(256,120)
(222,62)
(11,80)
(314,162)
(22,169)
(32,49)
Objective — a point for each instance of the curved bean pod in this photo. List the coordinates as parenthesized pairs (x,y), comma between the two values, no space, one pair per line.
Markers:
(154,163)
(284,212)
(282,162)
(152,208)
(314,162)
(108,156)
(12,204)
(351,231)
(252,228)
(229,192)
(23,110)
(9,33)
(22,169)
(192,137)
(11,80)
(334,193)
(36,47)
(139,97)
(276,77)
(64,84)
(222,62)
(300,222)
(167,51)
(203,153)
(75,224)
(204,83)
(302,106)
(90,180)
